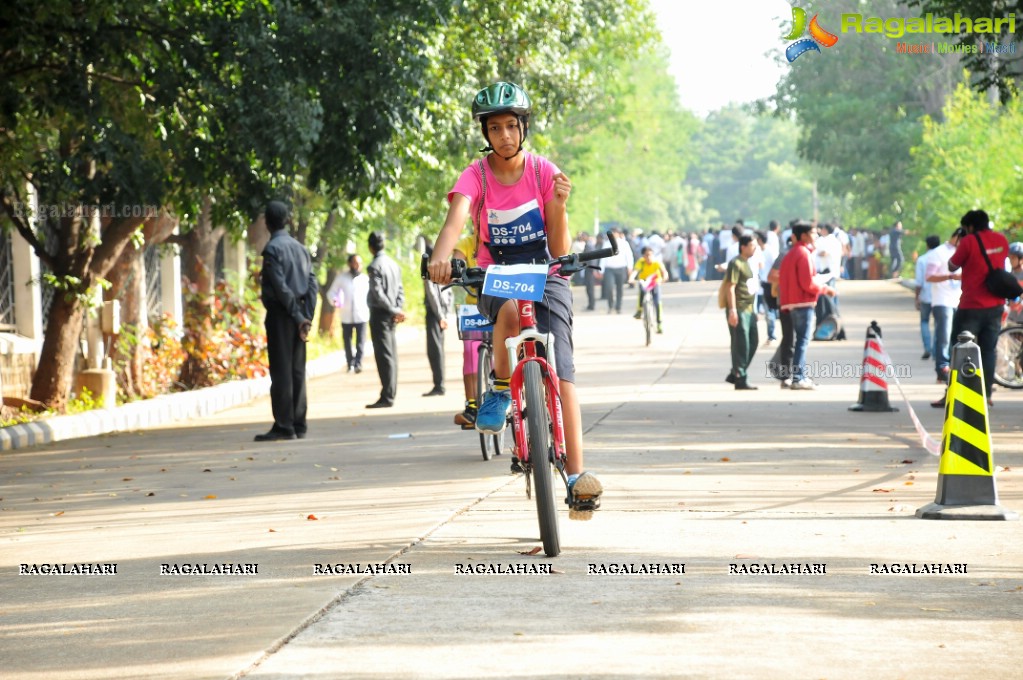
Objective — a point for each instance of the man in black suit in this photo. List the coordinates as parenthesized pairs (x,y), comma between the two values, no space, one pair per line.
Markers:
(386,300)
(289,292)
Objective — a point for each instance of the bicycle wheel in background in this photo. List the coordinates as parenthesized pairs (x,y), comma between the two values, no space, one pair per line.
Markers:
(648,316)
(1009,358)
(484,364)
(541,457)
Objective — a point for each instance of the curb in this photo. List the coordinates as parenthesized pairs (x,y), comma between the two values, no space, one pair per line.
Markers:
(156,411)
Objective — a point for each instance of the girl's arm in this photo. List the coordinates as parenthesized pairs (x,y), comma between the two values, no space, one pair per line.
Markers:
(440,261)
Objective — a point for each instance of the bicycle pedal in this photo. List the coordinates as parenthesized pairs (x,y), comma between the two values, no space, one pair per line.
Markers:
(516,466)
(583,503)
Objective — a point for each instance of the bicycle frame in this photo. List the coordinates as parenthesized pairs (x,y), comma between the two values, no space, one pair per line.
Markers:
(527,339)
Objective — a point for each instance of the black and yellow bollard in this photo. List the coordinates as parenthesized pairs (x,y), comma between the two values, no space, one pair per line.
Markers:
(966,479)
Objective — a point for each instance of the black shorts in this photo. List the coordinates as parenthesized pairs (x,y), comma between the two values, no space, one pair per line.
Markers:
(553,315)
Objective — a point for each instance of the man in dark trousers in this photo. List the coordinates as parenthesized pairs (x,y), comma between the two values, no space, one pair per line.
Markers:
(386,300)
(438,307)
(289,292)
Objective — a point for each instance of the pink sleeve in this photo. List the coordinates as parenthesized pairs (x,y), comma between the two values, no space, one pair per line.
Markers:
(470,186)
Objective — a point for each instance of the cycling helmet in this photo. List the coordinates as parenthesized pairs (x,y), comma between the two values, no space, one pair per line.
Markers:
(502,97)
(1016,248)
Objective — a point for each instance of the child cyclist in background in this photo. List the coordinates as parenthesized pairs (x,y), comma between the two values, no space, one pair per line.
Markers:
(465,249)
(652,273)
(517,202)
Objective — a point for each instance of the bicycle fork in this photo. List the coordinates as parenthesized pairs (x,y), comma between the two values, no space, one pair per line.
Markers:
(553,406)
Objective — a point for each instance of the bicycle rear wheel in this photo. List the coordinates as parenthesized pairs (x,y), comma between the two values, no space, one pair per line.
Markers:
(1009,358)
(541,457)
(484,363)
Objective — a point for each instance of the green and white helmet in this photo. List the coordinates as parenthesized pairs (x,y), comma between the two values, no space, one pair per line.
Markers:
(501,97)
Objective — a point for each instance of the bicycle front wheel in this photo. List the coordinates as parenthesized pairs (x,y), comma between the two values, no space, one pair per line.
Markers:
(484,364)
(648,317)
(541,456)
(1009,358)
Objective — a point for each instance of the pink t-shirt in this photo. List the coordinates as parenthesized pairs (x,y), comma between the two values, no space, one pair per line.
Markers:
(514,213)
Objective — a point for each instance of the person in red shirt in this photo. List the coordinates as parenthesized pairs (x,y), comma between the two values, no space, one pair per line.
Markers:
(798,290)
(980,311)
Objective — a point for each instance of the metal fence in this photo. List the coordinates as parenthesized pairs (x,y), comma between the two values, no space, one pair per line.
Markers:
(154,281)
(7,319)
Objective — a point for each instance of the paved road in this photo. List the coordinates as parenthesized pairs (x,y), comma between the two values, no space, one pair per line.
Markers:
(696,473)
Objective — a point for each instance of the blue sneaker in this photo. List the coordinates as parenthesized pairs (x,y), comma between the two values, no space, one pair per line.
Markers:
(493,413)
(584,493)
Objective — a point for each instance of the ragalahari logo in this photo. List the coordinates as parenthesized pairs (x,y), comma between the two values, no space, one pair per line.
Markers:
(818,36)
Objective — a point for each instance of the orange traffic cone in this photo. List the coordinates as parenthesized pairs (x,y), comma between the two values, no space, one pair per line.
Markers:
(966,481)
(873,383)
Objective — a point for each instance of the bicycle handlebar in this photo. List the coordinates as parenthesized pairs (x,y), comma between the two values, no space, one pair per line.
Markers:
(464,276)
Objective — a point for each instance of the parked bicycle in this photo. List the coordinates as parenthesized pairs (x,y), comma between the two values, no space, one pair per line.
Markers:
(538,435)
(1009,358)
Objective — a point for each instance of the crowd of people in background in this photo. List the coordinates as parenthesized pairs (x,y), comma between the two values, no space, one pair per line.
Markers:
(790,276)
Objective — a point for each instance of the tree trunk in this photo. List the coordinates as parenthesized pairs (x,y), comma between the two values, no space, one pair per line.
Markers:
(328,313)
(127,284)
(199,254)
(199,250)
(53,378)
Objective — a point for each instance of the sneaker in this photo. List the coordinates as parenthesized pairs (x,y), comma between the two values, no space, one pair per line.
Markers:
(467,418)
(786,384)
(730,378)
(660,329)
(492,415)
(584,493)
(637,315)
(804,384)
(926,355)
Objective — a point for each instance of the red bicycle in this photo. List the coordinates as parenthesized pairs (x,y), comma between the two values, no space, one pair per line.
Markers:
(538,428)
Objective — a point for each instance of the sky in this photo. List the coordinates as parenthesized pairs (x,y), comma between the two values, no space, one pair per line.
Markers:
(718,48)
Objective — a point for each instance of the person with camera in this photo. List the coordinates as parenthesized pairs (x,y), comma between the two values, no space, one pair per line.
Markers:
(981,250)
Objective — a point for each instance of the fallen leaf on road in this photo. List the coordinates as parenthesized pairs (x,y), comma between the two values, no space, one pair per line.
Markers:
(908,483)
(312,518)
(531,552)
(556,571)
(150,494)
(934,609)
(726,459)
(210,497)
(127,479)
(883,490)
(57,514)
(907,461)
(273,531)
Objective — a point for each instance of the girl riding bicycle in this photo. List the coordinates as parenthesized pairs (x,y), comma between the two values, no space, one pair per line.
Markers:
(651,272)
(518,204)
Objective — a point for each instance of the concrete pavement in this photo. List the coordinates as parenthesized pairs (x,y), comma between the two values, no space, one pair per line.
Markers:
(696,474)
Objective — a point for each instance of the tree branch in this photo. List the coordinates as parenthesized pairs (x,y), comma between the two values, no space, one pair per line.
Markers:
(24,228)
